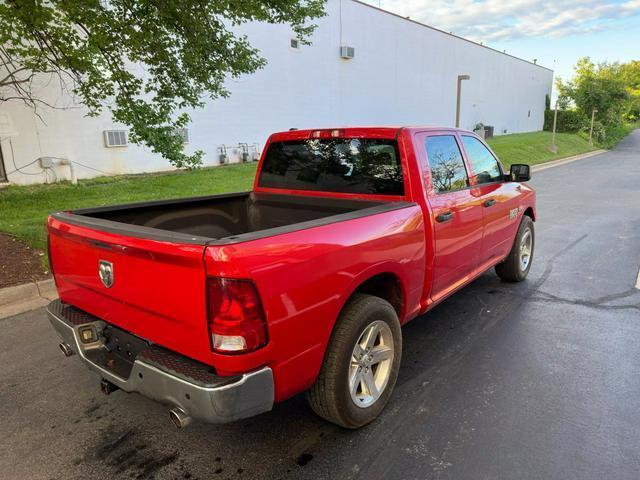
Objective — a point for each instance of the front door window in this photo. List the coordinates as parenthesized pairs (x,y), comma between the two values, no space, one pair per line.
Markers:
(484,164)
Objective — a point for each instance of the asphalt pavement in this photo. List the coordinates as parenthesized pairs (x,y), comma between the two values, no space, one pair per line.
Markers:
(539,380)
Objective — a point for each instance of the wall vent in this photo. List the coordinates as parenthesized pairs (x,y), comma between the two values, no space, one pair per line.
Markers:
(347,52)
(115,138)
(183,133)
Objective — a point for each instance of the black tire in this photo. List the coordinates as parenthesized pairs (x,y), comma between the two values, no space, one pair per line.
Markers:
(330,396)
(511,269)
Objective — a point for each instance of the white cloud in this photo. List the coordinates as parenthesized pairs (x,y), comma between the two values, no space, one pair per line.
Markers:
(495,20)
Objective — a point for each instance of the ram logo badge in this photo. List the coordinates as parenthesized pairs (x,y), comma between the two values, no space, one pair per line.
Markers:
(105,270)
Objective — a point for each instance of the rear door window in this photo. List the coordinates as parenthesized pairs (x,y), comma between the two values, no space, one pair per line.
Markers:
(484,164)
(346,165)
(448,172)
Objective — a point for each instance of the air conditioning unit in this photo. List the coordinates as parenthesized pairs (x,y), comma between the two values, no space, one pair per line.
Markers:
(347,52)
(115,138)
(183,133)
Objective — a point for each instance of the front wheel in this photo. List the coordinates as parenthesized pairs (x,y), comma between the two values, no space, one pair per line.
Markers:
(518,263)
(361,364)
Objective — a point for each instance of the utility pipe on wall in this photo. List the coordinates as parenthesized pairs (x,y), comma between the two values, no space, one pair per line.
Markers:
(460,79)
(72,171)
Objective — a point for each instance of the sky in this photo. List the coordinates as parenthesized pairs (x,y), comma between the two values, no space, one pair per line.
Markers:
(556,33)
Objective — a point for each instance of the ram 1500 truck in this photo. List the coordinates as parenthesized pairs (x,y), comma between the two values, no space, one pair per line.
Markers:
(220,306)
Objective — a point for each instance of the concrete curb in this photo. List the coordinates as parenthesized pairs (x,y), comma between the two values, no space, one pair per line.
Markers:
(26,297)
(563,161)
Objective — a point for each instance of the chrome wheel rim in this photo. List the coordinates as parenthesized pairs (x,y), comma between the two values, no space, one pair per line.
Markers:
(526,245)
(371,362)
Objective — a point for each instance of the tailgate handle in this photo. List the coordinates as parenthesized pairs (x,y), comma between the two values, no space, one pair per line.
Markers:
(107,246)
(443,217)
(490,203)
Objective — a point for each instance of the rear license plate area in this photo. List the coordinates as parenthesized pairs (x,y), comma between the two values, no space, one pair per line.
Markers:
(118,351)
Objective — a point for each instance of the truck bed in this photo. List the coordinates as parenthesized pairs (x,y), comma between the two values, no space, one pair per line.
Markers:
(223,218)
(161,253)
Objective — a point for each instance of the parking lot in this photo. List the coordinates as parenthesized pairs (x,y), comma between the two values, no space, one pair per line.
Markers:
(534,380)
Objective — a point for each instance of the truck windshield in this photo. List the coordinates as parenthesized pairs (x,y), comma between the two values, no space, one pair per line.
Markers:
(346,165)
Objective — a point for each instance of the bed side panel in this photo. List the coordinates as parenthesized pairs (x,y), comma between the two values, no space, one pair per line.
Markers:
(305,277)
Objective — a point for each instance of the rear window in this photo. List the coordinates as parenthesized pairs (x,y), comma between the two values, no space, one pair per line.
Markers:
(345,165)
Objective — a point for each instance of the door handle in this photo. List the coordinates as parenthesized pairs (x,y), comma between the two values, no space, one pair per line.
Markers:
(443,217)
(490,203)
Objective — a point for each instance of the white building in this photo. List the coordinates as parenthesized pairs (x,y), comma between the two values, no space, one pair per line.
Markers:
(402,73)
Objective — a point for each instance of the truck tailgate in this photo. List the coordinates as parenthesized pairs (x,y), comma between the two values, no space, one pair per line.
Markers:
(158,290)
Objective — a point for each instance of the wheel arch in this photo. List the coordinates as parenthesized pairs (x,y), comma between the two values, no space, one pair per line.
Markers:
(383,281)
(529,212)
(385,285)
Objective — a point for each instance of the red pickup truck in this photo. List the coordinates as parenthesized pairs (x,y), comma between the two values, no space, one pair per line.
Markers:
(220,306)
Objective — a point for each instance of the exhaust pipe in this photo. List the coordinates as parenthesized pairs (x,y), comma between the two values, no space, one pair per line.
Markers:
(66,349)
(107,387)
(179,418)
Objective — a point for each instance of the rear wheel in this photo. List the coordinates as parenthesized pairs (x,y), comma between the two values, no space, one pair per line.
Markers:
(361,365)
(518,263)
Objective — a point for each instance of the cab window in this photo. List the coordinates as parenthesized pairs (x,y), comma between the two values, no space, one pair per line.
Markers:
(484,164)
(448,172)
(345,165)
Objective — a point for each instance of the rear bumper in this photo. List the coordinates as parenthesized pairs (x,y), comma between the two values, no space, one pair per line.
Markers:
(135,365)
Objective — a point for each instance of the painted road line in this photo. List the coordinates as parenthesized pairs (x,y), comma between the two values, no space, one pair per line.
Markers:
(638,280)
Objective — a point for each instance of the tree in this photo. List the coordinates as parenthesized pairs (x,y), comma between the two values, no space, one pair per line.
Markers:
(147,61)
(630,73)
(597,87)
(563,101)
(610,88)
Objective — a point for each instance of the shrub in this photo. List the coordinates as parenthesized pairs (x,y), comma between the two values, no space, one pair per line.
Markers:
(569,121)
(608,135)
(599,132)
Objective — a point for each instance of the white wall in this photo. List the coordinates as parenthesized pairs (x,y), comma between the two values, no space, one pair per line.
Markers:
(403,73)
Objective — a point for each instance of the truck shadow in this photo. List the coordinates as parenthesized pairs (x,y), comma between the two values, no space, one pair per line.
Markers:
(290,441)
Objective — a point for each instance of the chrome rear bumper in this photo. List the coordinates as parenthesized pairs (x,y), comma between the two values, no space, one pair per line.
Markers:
(133,365)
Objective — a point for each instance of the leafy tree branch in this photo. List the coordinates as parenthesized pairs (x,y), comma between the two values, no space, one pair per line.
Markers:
(147,61)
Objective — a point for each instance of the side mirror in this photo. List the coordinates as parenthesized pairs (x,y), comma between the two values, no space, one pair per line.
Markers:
(519,172)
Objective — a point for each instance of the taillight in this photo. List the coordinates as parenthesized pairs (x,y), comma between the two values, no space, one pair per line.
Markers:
(236,320)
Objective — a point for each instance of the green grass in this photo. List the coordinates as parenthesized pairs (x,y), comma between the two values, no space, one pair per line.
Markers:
(533,148)
(23,209)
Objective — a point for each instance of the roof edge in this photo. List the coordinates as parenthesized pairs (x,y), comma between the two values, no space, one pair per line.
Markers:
(382,10)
